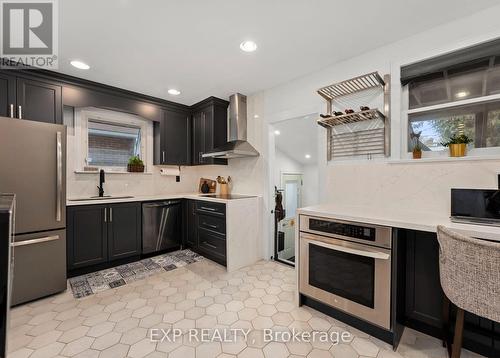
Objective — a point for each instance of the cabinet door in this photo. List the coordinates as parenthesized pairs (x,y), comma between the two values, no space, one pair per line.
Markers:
(86,236)
(191,224)
(7,96)
(423,288)
(124,230)
(176,138)
(39,101)
(198,138)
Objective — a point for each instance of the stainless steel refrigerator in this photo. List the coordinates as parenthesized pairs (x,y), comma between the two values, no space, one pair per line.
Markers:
(33,166)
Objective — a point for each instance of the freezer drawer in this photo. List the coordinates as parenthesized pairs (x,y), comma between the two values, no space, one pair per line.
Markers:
(39,265)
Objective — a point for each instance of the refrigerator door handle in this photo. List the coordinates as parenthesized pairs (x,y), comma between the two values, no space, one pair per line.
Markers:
(35,241)
(59,191)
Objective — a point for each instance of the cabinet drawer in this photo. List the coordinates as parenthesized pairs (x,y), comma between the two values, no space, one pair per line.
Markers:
(212,223)
(212,243)
(207,207)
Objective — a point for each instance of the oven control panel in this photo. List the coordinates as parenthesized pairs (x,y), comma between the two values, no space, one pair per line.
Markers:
(337,228)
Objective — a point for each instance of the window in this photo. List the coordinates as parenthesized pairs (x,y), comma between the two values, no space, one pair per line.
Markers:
(111,145)
(462,99)
(107,139)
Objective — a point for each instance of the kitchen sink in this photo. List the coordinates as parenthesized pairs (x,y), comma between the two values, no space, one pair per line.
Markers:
(105,197)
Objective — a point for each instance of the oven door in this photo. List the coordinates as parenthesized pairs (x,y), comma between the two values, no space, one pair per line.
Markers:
(351,277)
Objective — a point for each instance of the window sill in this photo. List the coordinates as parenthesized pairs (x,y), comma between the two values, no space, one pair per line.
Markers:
(443,159)
(110,172)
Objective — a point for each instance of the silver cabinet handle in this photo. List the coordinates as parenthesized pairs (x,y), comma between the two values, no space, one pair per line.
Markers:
(210,226)
(11,110)
(105,215)
(163,156)
(20,112)
(59,192)
(36,241)
(209,209)
(110,215)
(210,245)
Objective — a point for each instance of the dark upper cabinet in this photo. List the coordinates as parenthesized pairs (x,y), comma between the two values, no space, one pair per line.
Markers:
(7,95)
(209,129)
(97,234)
(173,138)
(39,101)
(86,236)
(124,230)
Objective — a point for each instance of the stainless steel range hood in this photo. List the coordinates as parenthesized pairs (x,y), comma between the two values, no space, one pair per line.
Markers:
(237,145)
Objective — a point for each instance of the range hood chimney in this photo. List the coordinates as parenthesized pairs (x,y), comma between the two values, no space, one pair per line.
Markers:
(237,145)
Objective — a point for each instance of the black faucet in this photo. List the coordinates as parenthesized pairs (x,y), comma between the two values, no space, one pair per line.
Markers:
(101,181)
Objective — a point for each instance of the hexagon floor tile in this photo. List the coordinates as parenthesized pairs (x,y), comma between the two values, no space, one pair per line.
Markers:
(200,298)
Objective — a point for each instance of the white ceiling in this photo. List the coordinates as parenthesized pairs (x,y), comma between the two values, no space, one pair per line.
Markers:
(149,46)
(298,137)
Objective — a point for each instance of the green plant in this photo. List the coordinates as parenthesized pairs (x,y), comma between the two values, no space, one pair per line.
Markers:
(417,147)
(460,139)
(135,160)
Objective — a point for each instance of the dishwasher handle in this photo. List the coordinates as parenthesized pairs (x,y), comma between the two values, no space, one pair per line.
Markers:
(161,204)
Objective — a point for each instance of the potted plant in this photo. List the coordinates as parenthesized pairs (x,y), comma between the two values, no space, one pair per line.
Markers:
(417,150)
(135,165)
(457,145)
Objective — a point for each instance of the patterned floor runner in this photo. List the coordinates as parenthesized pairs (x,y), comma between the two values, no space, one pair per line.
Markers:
(99,281)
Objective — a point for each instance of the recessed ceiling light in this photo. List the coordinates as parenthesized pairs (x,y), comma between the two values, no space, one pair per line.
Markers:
(462,94)
(255,116)
(174,92)
(248,46)
(277,132)
(308,156)
(80,65)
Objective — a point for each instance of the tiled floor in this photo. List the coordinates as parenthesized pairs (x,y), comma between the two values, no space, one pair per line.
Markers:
(118,322)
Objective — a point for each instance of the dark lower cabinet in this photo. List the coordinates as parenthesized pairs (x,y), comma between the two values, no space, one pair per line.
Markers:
(205,229)
(7,95)
(39,101)
(190,224)
(124,230)
(98,234)
(424,295)
(86,236)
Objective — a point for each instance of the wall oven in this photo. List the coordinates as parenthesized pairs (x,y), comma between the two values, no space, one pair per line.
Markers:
(347,265)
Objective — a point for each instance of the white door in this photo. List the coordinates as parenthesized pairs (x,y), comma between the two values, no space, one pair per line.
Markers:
(292,200)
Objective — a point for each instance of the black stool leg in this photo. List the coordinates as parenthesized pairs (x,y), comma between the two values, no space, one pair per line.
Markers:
(446,320)
(459,332)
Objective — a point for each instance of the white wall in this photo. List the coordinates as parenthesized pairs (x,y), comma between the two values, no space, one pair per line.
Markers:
(415,186)
(310,190)
(339,182)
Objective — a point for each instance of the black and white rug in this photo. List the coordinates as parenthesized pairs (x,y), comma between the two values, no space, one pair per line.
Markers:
(99,281)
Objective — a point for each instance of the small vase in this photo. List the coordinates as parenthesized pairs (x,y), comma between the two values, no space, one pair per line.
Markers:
(417,154)
(458,150)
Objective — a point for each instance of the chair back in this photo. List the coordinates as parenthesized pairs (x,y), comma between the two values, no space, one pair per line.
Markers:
(469,270)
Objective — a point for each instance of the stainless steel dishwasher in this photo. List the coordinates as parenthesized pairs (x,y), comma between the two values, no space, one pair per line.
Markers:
(161,226)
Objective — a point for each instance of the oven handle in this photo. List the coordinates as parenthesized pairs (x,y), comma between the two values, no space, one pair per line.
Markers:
(372,254)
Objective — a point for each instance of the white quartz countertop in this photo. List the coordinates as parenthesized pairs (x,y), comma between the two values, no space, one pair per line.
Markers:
(412,220)
(156,197)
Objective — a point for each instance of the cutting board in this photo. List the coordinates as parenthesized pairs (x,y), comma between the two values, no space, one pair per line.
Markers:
(212,184)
